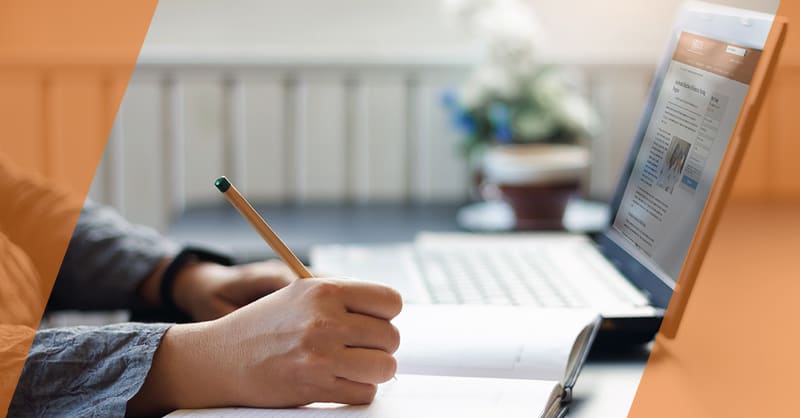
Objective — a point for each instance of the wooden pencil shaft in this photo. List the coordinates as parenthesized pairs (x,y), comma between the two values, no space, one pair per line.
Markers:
(270,237)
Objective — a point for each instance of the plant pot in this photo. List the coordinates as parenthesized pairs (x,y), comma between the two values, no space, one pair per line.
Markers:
(539,206)
(536,180)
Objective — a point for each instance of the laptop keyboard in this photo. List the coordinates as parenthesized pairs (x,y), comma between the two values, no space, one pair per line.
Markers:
(543,276)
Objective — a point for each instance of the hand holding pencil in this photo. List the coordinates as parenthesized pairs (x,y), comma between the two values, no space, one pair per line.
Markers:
(320,340)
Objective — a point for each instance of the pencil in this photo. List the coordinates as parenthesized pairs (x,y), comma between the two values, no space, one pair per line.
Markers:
(260,225)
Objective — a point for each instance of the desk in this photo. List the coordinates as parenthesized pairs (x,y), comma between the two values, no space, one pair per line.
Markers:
(304,226)
(607,384)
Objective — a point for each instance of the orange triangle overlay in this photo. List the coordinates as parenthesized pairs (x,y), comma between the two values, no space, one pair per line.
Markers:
(735,354)
(64,67)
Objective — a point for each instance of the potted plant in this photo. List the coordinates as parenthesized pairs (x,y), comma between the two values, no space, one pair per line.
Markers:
(523,121)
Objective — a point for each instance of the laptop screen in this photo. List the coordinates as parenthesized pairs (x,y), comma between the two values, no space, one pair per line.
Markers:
(692,111)
(694,116)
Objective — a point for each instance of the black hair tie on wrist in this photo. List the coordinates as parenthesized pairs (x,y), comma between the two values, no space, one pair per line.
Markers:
(186,256)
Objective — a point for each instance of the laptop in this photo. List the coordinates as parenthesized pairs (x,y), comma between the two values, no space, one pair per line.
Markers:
(698,116)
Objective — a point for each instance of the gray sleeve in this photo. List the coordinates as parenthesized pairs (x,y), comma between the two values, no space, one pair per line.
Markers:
(85,371)
(106,261)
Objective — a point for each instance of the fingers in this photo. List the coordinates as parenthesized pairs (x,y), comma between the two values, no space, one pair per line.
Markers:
(365,298)
(365,365)
(349,392)
(349,330)
(369,332)
(373,300)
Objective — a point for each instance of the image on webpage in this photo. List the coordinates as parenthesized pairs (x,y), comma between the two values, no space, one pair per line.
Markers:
(694,116)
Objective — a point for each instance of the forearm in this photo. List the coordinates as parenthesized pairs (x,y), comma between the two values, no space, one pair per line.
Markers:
(180,373)
(110,263)
(191,278)
(83,371)
(149,291)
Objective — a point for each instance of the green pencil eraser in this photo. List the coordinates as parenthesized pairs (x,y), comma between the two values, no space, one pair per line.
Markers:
(222,184)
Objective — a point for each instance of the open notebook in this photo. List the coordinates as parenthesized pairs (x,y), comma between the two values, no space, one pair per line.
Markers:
(469,361)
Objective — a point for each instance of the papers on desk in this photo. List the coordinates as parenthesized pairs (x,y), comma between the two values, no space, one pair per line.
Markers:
(422,396)
(470,361)
(495,341)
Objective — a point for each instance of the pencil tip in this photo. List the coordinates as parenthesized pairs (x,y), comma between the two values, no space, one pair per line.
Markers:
(222,184)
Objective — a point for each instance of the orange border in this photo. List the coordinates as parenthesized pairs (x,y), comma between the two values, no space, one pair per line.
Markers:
(64,67)
(725,177)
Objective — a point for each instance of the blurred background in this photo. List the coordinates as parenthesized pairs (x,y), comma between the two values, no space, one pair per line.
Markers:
(316,103)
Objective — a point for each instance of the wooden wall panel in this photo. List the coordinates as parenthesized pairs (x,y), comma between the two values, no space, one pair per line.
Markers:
(265,149)
(320,142)
(439,172)
(205,135)
(380,148)
(140,122)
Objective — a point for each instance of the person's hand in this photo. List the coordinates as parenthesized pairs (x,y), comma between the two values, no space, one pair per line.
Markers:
(208,291)
(317,340)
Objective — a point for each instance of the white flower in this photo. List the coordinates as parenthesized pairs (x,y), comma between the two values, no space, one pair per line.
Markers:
(488,81)
(544,102)
(509,28)
(578,115)
(535,124)
(463,12)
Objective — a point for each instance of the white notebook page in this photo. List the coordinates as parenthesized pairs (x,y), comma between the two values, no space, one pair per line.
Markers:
(422,396)
(488,341)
